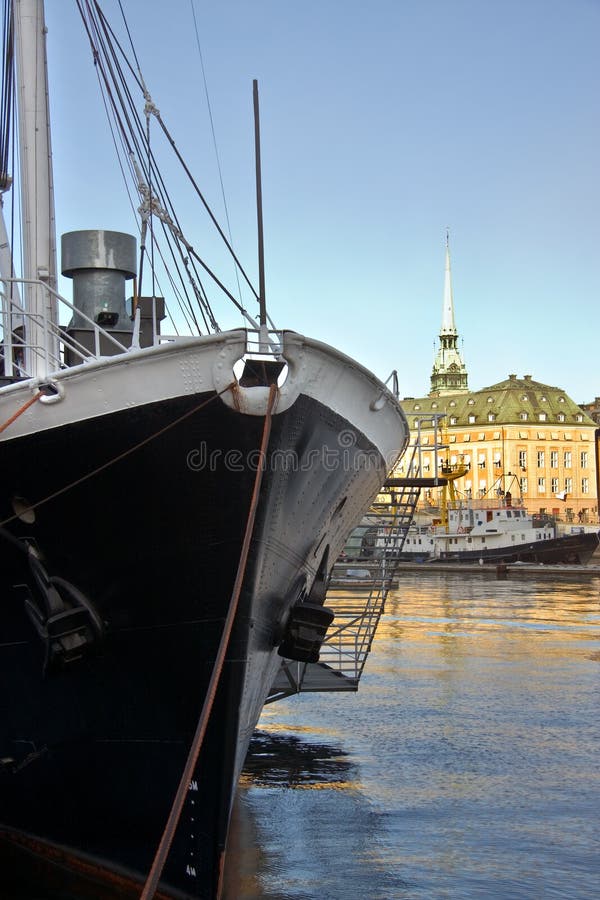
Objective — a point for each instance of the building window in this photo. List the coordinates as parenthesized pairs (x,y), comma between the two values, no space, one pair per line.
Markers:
(472,419)
(523,416)
(584,459)
(490,399)
(497,459)
(561,417)
(491,417)
(569,485)
(453,403)
(541,485)
(554,485)
(481,462)
(471,402)
(579,417)
(523,458)
(542,417)
(523,485)
(541,459)
(567,459)
(453,420)
(554,459)
(585,485)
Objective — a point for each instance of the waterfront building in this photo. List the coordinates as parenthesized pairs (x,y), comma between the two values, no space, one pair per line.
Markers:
(518,434)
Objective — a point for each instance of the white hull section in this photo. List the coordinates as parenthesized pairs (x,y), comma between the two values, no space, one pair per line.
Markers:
(191,366)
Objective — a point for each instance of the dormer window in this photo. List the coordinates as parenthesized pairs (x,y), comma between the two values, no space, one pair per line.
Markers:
(472,419)
(523,416)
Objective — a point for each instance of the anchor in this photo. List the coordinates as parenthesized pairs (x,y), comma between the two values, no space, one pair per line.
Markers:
(64,618)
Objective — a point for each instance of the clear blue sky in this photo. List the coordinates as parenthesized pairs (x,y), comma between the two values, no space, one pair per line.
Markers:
(382,124)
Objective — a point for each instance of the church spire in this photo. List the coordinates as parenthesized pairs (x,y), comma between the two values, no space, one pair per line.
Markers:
(449,375)
(448,326)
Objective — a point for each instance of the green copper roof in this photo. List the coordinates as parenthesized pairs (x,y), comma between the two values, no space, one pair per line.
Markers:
(514,401)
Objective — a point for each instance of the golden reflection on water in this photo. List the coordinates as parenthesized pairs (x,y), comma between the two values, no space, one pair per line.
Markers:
(466,766)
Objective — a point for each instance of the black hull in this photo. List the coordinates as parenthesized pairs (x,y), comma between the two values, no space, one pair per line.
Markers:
(572,549)
(92,753)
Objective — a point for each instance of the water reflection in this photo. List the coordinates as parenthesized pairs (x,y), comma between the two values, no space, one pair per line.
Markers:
(466,766)
(286,759)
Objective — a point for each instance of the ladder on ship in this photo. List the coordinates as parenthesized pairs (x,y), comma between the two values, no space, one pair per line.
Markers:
(359,585)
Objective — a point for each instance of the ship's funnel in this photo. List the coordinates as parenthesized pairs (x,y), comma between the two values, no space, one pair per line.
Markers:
(99,262)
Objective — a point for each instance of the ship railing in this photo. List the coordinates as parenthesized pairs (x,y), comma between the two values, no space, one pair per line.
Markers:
(483,503)
(261,342)
(35,342)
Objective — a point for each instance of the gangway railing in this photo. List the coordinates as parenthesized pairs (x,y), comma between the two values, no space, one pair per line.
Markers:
(359,585)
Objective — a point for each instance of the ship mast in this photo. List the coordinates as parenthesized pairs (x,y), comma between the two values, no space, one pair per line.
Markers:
(37,190)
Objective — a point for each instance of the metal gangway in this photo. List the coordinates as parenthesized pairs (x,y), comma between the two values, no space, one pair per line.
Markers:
(360,582)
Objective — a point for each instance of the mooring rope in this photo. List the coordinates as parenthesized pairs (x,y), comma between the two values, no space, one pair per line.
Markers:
(21,410)
(166,840)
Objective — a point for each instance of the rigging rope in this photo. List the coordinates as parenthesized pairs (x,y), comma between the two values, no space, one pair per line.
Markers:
(166,840)
(107,52)
(115,459)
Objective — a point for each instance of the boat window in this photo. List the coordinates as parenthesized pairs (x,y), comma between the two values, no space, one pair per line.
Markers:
(489,515)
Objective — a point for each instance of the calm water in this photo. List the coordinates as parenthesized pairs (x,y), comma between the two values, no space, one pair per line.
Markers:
(467,766)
